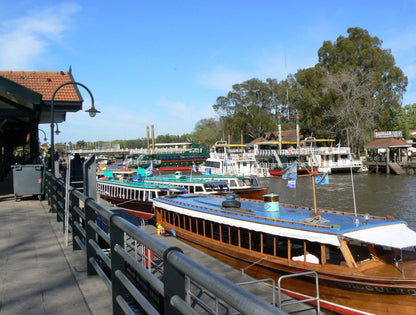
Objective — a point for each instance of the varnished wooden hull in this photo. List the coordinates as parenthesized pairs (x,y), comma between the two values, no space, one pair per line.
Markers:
(378,297)
(256,193)
(142,209)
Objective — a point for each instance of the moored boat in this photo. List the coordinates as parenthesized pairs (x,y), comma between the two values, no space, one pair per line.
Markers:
(244,186)
(135,197)
(364,262)
(232,159)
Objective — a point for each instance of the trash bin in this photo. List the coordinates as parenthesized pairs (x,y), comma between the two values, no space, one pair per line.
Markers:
(27,180)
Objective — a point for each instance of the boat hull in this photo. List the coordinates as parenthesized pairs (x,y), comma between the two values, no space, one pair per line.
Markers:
(359,295)
(251,193)
(141,209)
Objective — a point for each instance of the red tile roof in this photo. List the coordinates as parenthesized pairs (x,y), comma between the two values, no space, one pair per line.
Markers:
(45,83)
(387,142)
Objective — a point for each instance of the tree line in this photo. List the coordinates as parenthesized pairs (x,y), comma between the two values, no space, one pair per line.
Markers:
(354,89)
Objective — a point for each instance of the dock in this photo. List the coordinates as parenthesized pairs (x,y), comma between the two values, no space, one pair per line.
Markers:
(40,275)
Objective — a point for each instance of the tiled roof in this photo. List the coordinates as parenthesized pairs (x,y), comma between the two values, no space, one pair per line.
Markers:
(387,143)
(45,83)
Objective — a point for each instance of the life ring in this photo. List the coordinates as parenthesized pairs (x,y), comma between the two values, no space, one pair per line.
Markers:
(264,172)
(330,150)
(240,156)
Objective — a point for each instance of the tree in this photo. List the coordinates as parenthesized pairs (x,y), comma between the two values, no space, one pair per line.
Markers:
(247,106)
(361,56)
(207,132)
(354,110)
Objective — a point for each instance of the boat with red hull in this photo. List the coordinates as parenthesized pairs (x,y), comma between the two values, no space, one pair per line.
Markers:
(364,263)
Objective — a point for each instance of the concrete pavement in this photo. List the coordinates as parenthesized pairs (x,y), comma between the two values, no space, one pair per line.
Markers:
(38,273)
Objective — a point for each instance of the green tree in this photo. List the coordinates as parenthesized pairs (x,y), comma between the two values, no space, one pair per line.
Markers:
(361,56)
(247,106)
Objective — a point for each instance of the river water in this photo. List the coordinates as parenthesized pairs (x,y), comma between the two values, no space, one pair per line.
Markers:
(376,194)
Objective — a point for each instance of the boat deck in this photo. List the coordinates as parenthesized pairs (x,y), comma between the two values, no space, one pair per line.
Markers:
(328,221)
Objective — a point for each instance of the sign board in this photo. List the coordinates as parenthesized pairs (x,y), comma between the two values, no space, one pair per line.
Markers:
(389,134)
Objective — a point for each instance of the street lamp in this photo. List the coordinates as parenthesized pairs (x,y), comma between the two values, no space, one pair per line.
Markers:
(92,112)
(44,139)
(57,132)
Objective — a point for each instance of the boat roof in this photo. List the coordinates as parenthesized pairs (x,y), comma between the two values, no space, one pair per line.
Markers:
(182,179)
(141,184)
(294,221)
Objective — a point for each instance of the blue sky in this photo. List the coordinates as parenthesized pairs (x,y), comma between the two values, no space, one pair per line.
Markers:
(165,62)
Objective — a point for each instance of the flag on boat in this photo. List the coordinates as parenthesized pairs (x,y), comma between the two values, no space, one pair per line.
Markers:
(193,167)
(322,179)
(291,183)
(149,169)
(291,171)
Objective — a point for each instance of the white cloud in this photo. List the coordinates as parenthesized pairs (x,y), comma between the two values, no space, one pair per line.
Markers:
(24,39)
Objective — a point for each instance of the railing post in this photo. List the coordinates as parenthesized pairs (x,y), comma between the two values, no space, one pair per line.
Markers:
(59,193)
(53,194)
(117,263)
(90,215)
(174,283)
(74,202)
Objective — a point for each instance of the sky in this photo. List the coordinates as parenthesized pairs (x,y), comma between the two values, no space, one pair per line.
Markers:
(164,63)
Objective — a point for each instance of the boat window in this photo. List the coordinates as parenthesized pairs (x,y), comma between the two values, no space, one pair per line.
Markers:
(182,221)
(193,225)
(333,255)
(225,234)
(268,244)
(359,251)
(255,241)
(296,248)
(187,223)
(234,235)
(208,231)
(281,246)
(387,254)
(198,189)
(216,231)
(244,238)
(200,227)
(313,250)
(233,183)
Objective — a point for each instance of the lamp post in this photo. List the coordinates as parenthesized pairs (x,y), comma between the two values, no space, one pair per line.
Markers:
(44,139)
(92,112)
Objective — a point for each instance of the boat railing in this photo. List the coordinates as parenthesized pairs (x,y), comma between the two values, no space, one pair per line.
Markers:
(107,238)
(309,299)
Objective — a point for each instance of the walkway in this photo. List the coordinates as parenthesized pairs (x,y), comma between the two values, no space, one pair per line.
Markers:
(38,274)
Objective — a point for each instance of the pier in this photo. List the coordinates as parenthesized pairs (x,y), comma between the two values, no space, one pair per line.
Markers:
(43,274)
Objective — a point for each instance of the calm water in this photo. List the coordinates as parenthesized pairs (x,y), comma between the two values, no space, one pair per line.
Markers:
(376,194)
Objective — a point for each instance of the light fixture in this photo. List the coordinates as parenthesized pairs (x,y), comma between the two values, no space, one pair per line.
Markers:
(92,112)
(57,132)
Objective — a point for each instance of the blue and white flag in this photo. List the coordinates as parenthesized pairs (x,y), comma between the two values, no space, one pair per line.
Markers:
(322,179)
(291,183)
(291,172)
(193,167)
(149,169)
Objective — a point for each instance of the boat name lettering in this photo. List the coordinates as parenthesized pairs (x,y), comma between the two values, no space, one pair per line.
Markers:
(378,289)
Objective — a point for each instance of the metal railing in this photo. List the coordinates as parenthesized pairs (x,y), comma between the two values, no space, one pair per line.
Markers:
(308,299)
(143,273)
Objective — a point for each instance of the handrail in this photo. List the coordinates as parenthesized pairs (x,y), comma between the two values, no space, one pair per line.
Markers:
(316,298)
(101,234)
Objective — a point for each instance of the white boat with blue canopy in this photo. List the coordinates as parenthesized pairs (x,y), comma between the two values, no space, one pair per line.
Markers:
(364,262)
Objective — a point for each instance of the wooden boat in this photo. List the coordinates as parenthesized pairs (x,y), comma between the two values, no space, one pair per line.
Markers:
(244,186)
(135,197)
(365,263)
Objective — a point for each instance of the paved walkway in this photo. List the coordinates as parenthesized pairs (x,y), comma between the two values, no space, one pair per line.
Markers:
(38,273)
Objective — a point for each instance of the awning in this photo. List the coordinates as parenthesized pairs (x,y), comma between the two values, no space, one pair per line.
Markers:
(394,235)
